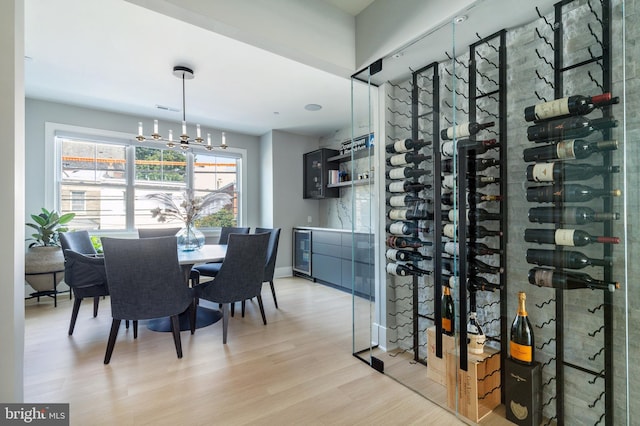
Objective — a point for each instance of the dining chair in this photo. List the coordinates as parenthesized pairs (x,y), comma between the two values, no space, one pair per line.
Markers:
(146,282)
(240,276)
(157,232)
(211,269)
(272,253)
(83,272)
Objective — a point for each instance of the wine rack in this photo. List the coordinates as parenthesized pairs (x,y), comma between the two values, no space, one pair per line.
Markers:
(586,70)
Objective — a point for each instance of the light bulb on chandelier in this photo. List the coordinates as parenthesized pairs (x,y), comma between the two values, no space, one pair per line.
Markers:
(184,140)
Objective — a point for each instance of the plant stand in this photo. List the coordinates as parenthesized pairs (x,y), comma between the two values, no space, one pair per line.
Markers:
(50,293)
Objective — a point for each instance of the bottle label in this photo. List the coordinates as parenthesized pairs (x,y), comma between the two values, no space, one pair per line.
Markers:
(397,173)
(398,214)
(397,228)
(446,149)
(459,131)
(522,353)
(564,150)
(397,201)
(392,254)
(396,187)
(449,230)
(544,277)
(451,248)
(551,109)
(446,325)
(564,237)
(448,182)
(398,160)
(452,215)
(543,172)
(393,269)
(400,146)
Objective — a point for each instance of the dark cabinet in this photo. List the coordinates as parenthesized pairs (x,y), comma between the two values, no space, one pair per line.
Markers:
(316,174)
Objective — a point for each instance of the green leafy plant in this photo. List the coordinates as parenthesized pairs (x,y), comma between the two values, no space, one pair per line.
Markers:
(48,226)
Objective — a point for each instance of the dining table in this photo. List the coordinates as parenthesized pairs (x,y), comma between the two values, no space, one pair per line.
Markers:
(205,315)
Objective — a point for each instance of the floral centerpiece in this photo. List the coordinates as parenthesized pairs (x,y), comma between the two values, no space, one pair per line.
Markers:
(187,208)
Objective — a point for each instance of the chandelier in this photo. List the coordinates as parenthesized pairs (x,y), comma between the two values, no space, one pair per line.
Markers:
(184,140)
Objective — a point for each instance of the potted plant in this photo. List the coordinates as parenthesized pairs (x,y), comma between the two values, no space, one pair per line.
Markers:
(44,255)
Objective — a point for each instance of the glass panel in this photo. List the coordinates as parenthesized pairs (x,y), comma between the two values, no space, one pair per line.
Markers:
(160,167)
(216,173)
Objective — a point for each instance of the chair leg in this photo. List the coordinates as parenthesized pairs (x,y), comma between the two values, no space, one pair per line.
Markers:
(273,291)
(96,301)
(233,308)
(74,314)
(126,324)
(264,319)
(175,330)
(135,329)
(243,307)
(115,325)
(225,322)
(193,313)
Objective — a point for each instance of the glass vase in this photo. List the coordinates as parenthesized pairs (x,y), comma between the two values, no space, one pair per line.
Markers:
(190,238)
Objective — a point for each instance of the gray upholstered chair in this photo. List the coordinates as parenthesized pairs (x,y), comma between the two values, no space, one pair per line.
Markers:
(212,269)
(83,272)
(157,232)
(145,282)
(272,253)
(240,276)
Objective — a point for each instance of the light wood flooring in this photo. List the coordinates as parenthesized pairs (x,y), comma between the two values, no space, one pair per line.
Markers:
(296,370)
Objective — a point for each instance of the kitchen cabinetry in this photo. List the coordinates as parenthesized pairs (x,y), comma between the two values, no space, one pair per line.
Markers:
(316,174)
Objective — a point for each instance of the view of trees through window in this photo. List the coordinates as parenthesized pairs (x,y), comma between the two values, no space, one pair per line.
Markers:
(95,183)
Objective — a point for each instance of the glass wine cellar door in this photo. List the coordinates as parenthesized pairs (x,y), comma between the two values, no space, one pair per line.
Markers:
(502,213)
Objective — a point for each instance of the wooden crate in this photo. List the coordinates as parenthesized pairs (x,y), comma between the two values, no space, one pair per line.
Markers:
(437,367)
(478,388)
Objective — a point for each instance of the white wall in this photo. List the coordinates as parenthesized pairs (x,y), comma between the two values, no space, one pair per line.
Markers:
(266,181)
(12,199)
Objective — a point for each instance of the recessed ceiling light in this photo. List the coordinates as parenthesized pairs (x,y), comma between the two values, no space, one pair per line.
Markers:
(460,19)
(313,107)
(276,113)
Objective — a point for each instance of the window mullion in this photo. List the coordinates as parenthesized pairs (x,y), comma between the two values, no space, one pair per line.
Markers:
(130,194)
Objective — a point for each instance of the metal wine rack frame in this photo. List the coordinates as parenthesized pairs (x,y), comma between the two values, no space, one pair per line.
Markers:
(559,70)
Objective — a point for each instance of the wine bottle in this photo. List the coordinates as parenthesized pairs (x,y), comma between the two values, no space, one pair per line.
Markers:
(472,198)
(568,150)
(571,105)
(402,270)
(479,231)
(406,256)
(407,158)
(407,186)
(409,214)
(478,164)
(475,214)
(406,172)
(565,280)
(476,283)
(521,343)
(569,127)
(406,242)
(566,237)
(448,181)
(405,200)
(464,130)
(480,181)
(477,249)
(480,147)
(475,335)
(569,215)
(564,259)
(447,312)
(404,228)
(473,264)
(560,171)
(567,193)
(405,145)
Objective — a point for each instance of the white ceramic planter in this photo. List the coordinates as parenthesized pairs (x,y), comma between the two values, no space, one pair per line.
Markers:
(43,259)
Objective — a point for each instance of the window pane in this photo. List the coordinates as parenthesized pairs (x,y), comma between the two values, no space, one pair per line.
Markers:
(160,166)
(93,162)
(103,207)
(143,207)
(216,173)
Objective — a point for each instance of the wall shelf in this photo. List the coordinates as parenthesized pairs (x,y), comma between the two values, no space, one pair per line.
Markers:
(357,182)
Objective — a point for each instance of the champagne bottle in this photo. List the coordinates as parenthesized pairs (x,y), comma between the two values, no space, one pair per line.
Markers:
(472,198)
(569,127)
(569,215)
(405,145)
(450,231)
(406,242)
(404,228)
(565,280)
(402,270)
(566,237)
(561,172)
(447,312)
(407,158)
(568,150)
(409,214)
(477,283)
(564,259)
(450,281)
(521,343)
(405,200)
(567,193)
(406,256)
(480,147)
(571,105)
(475,335)
(464,130)
(407,186)
(478,164)
(406,172)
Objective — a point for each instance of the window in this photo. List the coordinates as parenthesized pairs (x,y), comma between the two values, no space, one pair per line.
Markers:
(106,183)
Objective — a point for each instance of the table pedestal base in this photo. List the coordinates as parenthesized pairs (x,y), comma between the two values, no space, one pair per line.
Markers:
(204,317)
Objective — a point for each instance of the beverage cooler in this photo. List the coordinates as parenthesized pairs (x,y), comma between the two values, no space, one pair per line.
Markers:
(504,221)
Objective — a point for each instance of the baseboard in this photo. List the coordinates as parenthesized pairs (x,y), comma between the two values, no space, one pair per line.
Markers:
(283,271)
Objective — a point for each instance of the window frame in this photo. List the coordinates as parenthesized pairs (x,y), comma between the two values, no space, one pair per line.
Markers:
(54,132)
